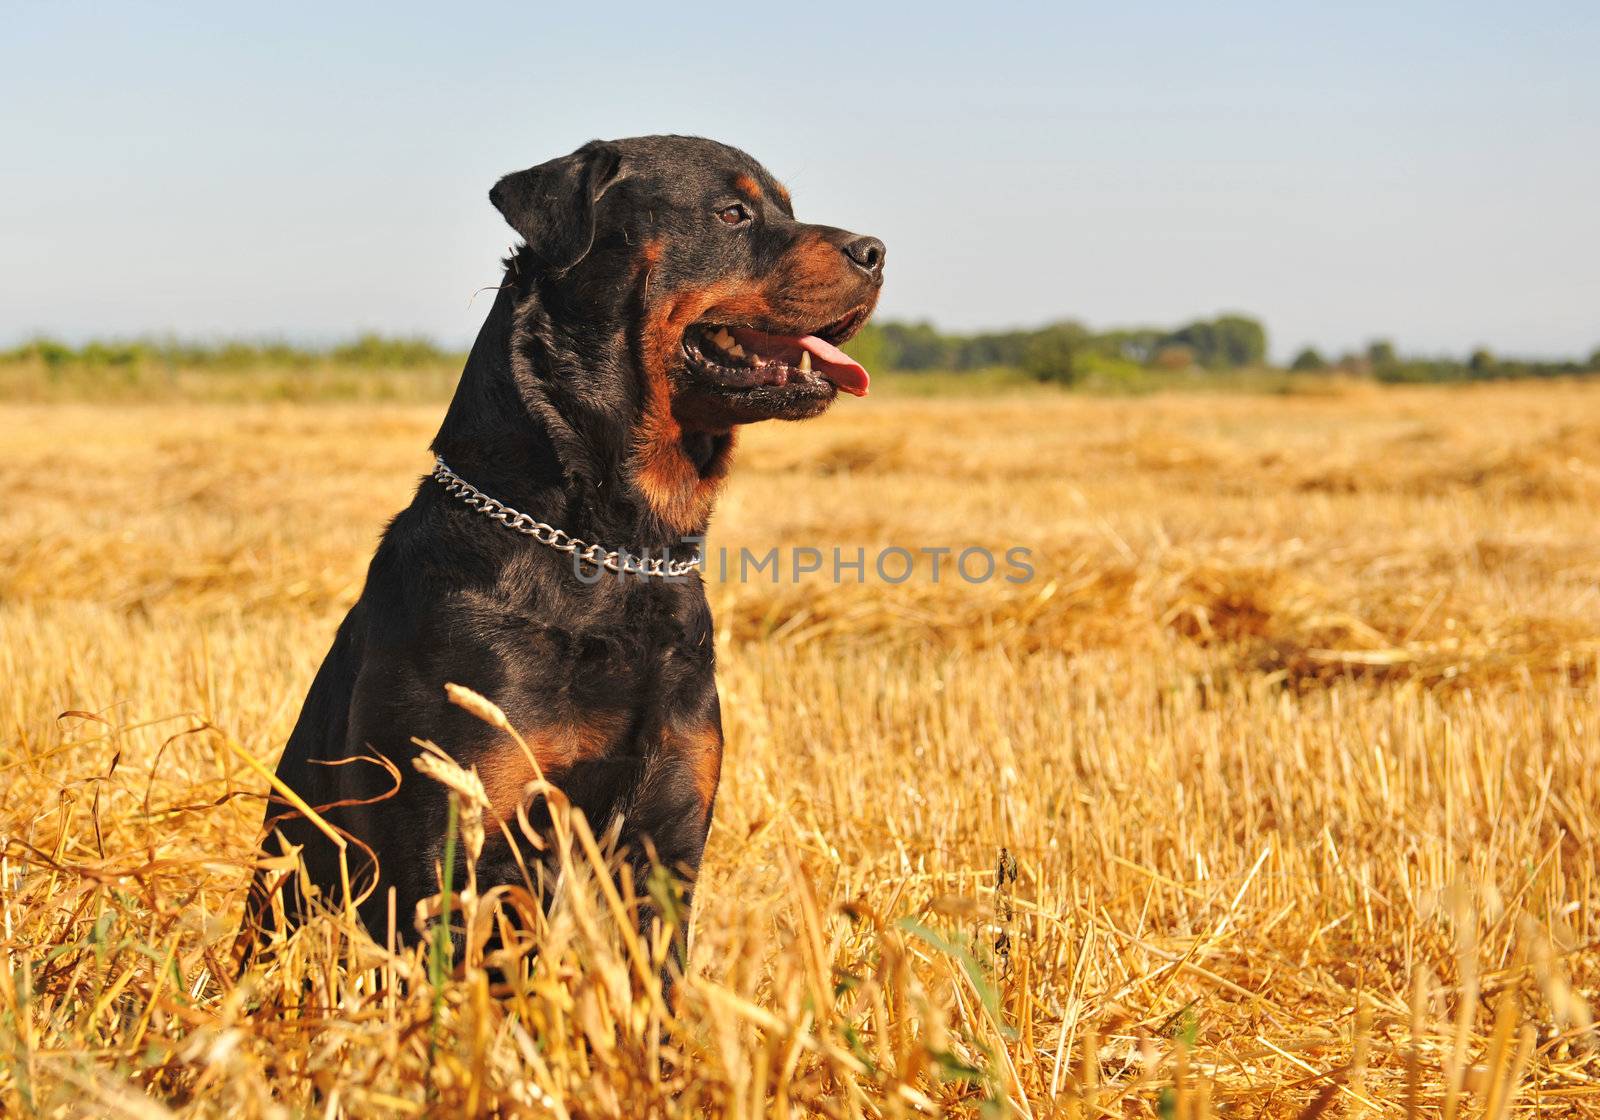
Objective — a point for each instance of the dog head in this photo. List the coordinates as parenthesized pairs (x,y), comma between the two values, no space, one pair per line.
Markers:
(678,264)
(741,306)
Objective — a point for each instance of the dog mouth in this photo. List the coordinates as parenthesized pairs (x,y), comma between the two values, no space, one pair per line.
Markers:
(739,357)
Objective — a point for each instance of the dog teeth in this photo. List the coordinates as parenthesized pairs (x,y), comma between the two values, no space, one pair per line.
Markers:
(723,339)
(805,361)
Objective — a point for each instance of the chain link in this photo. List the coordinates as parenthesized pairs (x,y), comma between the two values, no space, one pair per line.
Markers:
(617,561)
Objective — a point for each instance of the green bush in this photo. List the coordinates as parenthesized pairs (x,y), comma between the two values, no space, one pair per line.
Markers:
(1309,360)
(374,351)
(1056,353)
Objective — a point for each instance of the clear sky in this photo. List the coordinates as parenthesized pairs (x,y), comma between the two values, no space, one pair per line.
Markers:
(1428,172)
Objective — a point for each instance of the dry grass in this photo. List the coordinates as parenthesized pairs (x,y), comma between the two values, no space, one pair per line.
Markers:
(1277,792)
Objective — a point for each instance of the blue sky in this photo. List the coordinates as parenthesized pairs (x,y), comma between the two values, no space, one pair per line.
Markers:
(1426,172)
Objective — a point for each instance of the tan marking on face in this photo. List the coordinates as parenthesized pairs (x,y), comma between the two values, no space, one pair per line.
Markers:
(748,187)
(810,284)
(669,481)
(814,263)
(782,192)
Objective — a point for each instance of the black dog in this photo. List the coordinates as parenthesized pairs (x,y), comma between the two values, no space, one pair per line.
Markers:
(665,295)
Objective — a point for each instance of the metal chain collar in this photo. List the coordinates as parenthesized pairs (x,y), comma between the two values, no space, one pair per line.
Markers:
(619,561)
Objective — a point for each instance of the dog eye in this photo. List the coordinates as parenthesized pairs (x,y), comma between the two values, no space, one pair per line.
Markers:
(735,215)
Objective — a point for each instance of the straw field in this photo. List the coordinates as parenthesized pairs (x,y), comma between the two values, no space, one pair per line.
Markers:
(1274,792)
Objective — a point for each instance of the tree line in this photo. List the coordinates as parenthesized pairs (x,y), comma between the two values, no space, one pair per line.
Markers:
(1068,352)
(1382,361)
(1065,352)
(369,351)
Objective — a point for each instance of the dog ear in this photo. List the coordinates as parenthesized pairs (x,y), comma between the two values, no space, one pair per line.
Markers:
(552,205)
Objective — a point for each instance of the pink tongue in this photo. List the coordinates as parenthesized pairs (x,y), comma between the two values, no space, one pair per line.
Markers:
(834,364)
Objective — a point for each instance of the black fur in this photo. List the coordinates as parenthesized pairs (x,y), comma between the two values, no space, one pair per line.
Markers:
(579,405)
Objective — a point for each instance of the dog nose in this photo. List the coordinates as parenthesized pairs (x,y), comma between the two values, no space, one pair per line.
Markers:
(867,253)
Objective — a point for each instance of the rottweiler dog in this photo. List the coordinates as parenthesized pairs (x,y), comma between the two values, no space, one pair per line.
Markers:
(663,295)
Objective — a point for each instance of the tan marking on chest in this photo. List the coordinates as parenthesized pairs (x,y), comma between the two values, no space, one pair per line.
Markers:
(698,751)
(505,771)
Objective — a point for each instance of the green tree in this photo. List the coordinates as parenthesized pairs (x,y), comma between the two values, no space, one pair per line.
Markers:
(1056,353)
(992,348)
(1308,361)
(1381,355)
(1225,342)
(1241,340)
(915,346)
(869,348)
(1198,337)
